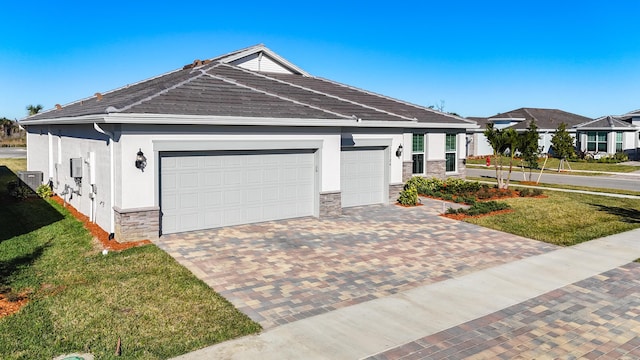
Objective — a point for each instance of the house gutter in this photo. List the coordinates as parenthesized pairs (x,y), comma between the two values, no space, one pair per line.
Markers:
(112,185)
(169,119)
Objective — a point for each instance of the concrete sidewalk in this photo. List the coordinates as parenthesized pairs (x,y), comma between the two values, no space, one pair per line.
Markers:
(375,326)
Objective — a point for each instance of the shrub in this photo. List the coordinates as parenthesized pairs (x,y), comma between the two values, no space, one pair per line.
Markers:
(469,200)
(524,192)
(486,207)
(415,182)
(44,191)
(452,211)
(621,156)
(537,192)
(11,185)
(447,196)
(484,193)
(453,185)
(21,192)
(425,186)
(408,197)
(480,208)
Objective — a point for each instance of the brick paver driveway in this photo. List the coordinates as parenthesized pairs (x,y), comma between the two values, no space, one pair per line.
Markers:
(281,271)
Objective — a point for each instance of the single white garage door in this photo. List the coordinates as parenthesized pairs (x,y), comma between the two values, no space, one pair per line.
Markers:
(208,190)
(362,176)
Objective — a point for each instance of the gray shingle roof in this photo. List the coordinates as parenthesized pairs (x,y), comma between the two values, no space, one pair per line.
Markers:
(605,122)
(544,118)
(217,88)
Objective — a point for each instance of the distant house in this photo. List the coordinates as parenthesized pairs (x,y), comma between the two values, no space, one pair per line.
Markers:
(610,134)
(240,138)
(547,121)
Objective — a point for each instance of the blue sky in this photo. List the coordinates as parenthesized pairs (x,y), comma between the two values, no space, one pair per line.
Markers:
(478,57)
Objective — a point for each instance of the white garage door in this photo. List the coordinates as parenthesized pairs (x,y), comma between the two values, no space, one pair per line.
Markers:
(362,176)
(208,190)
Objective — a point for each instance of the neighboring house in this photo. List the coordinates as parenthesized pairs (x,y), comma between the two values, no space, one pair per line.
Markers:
(547,121)
(241,138)
(608,135)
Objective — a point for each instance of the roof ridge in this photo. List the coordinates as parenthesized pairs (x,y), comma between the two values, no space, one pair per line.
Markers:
(230,81)
(322,93)
(153,96)
(396,100)
(110,91)
(526,110)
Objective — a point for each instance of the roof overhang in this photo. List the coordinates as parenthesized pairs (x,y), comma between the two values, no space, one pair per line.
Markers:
(164,119)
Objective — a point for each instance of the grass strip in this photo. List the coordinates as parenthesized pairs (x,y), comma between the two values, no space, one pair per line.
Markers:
(565,218)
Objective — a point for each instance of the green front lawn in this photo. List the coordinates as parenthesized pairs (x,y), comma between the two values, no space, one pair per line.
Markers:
(565,218)
(82,301)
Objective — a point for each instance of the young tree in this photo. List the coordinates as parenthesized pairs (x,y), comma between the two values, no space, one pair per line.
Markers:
(562,144)
(512,142)
(529,147)
(495,137)
(34,109)
(504,142)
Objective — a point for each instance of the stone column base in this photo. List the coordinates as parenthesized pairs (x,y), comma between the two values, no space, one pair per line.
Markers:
(137,224)
(330,204)
(462,168)
(394,192)
(407,170)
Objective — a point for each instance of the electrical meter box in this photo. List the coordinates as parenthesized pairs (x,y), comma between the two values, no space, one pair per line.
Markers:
(76,168)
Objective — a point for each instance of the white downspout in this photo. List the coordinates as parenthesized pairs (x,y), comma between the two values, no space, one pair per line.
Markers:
(112,185)
(50,139)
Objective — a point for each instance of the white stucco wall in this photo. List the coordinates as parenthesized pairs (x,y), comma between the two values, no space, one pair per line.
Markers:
(51,153)
(139,188)
(435,146)
(461,143)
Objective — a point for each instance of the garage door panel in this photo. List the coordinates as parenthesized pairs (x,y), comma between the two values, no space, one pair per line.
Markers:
(230,189)
(169,182)
(212,198)
(189,163)
(188,200)
(213,218)
(188,180)
(362,177)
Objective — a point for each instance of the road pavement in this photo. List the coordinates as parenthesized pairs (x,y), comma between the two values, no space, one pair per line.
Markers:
(621,182)
(13,152)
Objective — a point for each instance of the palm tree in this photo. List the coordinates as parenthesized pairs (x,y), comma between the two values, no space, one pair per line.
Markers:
(34,109)
(5,126)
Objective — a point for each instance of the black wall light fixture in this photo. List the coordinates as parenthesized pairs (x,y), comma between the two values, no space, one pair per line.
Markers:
(399,151)
(141,160)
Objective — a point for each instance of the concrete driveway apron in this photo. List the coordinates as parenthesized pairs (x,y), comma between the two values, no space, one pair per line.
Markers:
(282,271)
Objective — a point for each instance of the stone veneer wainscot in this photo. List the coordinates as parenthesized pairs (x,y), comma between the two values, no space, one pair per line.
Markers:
(137,224)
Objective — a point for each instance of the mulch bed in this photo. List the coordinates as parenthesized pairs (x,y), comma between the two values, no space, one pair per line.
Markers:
(11,307)
(101,235)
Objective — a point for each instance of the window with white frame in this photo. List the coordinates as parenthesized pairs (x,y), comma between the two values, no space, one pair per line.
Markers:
(450,152)
(418,153)
(597,141)
(619,141)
